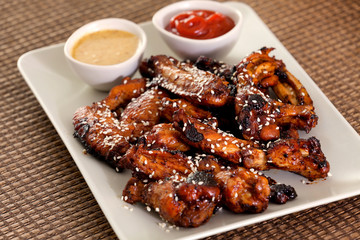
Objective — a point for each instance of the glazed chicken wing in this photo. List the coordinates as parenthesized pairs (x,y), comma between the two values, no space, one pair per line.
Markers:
(156,164)
(262,118)
(120,95)
(243,190)
(170,106)
(187,81)
(164,136)
(216,67)
(97,125)
(142,113)
(103,134)
(214,141)
(262,71)
(302,156)
(188,203)
(100,133)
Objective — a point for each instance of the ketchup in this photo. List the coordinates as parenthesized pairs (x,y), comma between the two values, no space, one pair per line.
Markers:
(200,24)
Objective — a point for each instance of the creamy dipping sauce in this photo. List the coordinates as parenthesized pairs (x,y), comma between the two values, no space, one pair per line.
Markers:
(106,47)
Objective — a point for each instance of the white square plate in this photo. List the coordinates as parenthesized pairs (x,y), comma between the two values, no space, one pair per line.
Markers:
(60,93)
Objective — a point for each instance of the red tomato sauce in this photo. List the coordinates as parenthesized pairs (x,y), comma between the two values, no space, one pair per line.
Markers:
(200,24)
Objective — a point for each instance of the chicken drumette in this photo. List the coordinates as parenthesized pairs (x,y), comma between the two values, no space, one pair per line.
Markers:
(262,117)
(187,203)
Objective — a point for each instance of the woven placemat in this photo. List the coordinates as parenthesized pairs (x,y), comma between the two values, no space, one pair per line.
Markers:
(42,193)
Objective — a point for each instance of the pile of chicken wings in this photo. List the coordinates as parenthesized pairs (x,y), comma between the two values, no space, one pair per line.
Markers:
(198,136)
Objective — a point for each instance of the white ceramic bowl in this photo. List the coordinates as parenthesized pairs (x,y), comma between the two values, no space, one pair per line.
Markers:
(188,48)
(104,77)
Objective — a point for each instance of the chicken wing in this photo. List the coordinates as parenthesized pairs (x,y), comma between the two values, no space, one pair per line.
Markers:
(214,141)
(164,136)
(302,156)
(188,203)
(170,106)
(260,115)
(262,118)
(262,71)
(142,113)
(185,80)
(120,95)
(101,134)
(243,190)
(156,164)
(98,128)
(216,67)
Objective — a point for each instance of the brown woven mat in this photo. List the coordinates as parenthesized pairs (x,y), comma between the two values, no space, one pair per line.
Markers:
(42,193)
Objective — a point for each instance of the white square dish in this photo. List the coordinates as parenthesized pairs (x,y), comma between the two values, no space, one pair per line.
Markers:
(60,93)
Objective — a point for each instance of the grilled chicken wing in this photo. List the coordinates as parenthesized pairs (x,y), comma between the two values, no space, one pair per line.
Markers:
(97,125)
(302,156)
(243,190)
(185,80)
(170,106)
(156,164)
(187,203)
(262,118)
(212,140)
(143,113)
(216,67)
(120,95)
(296,116)
(262,71)
(100,132)
(103,134)
(164,136)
